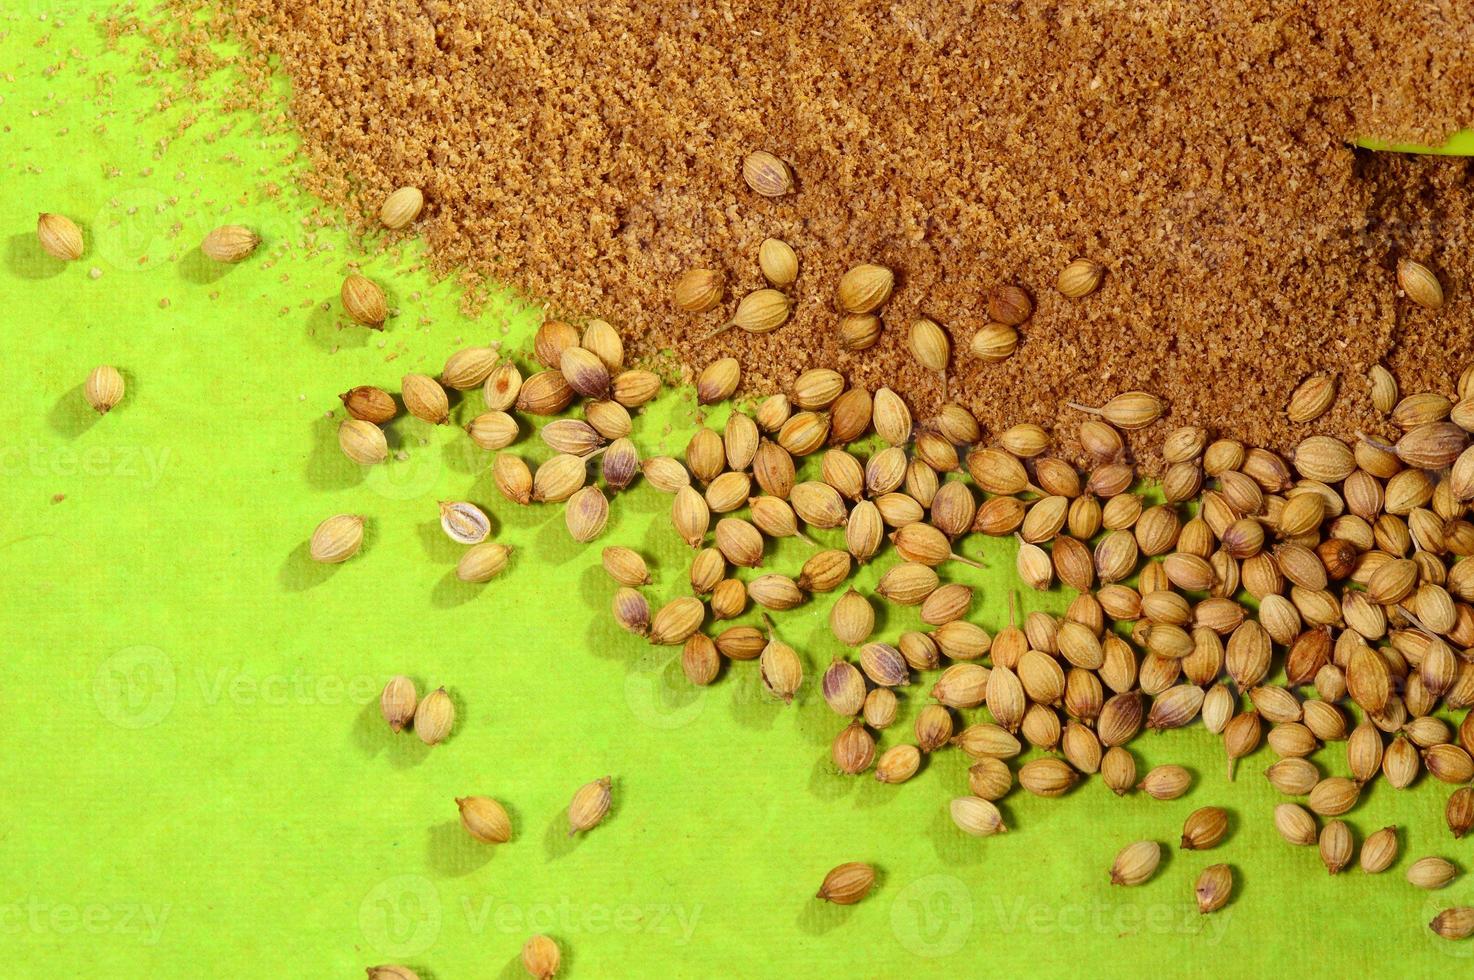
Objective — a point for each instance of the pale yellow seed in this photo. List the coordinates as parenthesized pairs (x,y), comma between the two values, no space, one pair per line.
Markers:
(929,344)
(59,236)
(229,243)
(559,478)
(1383,389)
(468,368)
(493,430)
(1379,850)
(767,174)
(977,816)
(363,442)
(425,399)
(761,311)
(1080,278)
(1136,863)
(1419,284)
(397,702)
(1295,824)
(590,805)
(865,288)
(364,301)
(586,513)
(698,290)
(484,819)
(778,261)
(103,388)
(336,539)
(1312,398)
(1431,873)
(677,620)
(625,566)
(858,331)
(401,208)
(434,717)
(501,387)
(994,342)
(718,381)
(483,562)
(541,958)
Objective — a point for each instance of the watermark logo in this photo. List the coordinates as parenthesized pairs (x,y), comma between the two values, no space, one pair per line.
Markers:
(135,687)
(408,475)
(657,698)
(932,916)
(401,916)
(131,231)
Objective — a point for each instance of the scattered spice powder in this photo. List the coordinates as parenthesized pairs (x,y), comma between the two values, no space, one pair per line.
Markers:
(590,154)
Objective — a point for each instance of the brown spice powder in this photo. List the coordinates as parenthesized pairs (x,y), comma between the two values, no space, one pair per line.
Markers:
(589,153)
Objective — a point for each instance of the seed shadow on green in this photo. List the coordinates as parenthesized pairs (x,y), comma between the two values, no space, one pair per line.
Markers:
(612,643)
(826,781)
(557,842)
(439,548)
(818,917)
(372,736)
(25,257)
(330,331)
(70,415)
(195,268)
(644,500)
(1233,824)
(299,572)
(327,468)
(450,591)
(1241,883)
(953,846)
(512,969)
(595,587)
(751,705)
(555,546)
(452,853)
(461,455)
(484,493)
(873,793)
(413,435)
(461,412)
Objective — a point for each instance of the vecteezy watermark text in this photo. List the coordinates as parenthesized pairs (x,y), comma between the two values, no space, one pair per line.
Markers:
(144,463)
(566,917)
(40,916)
(1108,919)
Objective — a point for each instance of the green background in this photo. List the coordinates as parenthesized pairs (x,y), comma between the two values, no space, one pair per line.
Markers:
(196,780)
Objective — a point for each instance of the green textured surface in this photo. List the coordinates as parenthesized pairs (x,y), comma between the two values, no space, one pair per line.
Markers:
(196,781)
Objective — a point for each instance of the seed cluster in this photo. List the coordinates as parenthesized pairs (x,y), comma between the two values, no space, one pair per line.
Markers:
(1337,564)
